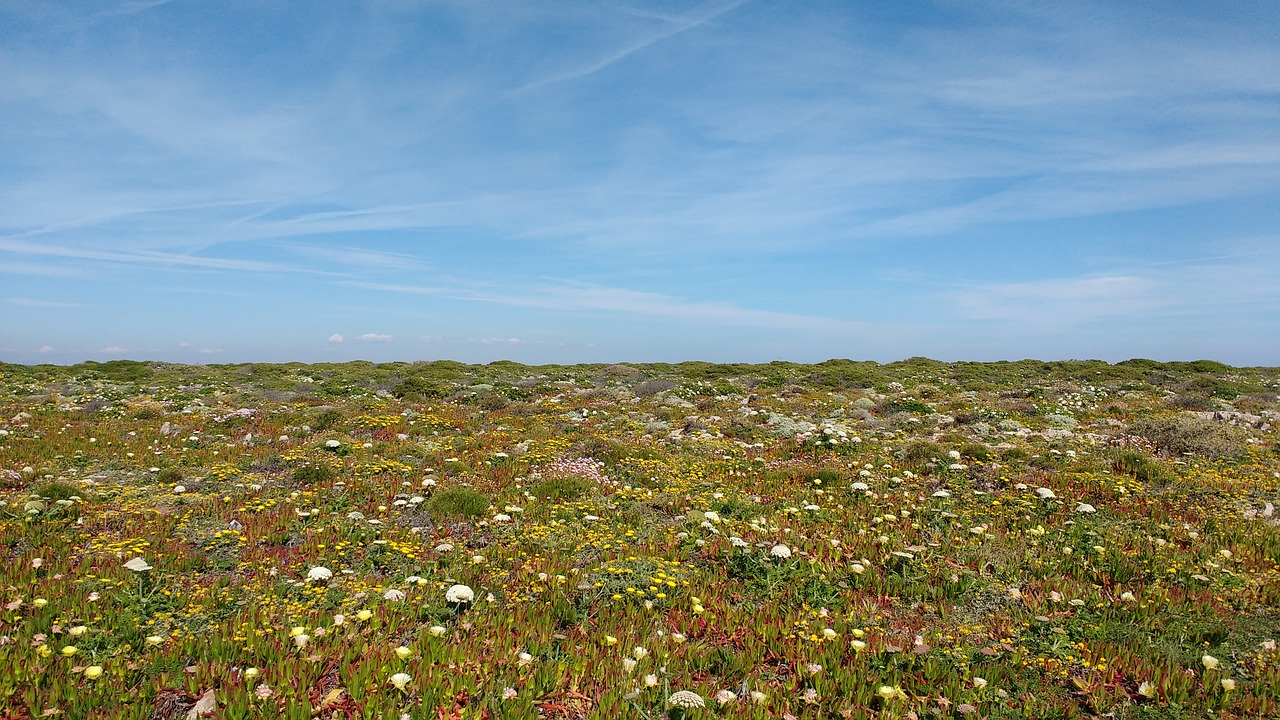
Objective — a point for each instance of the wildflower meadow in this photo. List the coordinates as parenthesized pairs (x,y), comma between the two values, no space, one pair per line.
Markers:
(842,540)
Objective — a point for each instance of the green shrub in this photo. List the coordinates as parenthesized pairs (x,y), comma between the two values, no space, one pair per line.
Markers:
(326,419)
(312,474)
(169,476)
(921,451)
(1015,455)
(458,502)
(559,488)
(1140,467)
(55,490)
(976,451)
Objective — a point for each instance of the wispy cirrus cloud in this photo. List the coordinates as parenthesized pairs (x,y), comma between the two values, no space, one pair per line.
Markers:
(34,303)
(583,297)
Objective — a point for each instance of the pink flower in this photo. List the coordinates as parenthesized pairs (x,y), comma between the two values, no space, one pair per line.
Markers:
(263,692)
(509,693)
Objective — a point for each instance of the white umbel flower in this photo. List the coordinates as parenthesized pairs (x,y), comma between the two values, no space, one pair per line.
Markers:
(319,574)
(460,594)
(685,699)
(137,565)
(780,551)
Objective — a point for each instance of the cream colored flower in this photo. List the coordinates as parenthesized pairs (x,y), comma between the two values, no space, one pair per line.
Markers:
(1228,684)
(685,699)
(401,680)
(93,672)
(459,594)
(1147,690)
(137,565)
(1210,662)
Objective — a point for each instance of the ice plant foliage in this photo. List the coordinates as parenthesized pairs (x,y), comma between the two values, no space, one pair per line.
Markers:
(915,539)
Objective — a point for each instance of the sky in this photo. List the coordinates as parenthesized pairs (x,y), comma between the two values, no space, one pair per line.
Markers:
(639,180)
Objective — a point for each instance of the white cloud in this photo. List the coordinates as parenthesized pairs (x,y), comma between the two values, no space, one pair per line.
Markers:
(184,344)
(210,351)
(28,302)
(114,350)
(375,338)
(336,338)
(587,297)
(45,349)
(1050,304)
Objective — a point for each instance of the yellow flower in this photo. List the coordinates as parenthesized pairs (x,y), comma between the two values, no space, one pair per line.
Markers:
(77,631)
(1228,684)
(610,640)
(252,673)
(93,672)
(364,614)
(154,639)
(403,652)
(69,650)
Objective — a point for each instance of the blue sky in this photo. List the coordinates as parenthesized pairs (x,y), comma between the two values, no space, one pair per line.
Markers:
(639,181)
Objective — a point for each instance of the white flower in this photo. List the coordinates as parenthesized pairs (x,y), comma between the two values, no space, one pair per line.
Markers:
(319,574)
(639,652)
(436,631)
(301,640)
(444,548)
(942,494)
(953,454)
(979,682)
(502,517)
(724,697)
(332,443)
(393,595)
(859,486)
(685,699)
(1045,493)
(1227,683)
(712,516)
(758,697)
(1085,508)
(400,680)
(137,565)
(780,551)
(628,664)
(1210,662)
(1147,690)
(460,594)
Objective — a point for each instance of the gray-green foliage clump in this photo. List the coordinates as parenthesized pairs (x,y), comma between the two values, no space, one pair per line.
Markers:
(1181,435)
